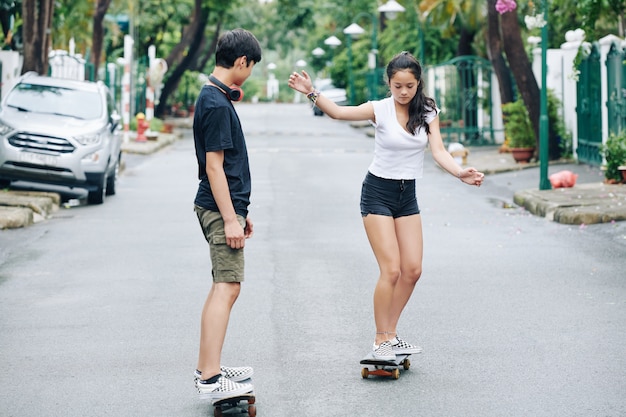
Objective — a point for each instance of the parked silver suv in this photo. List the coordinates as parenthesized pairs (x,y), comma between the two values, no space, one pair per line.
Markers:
(60,131)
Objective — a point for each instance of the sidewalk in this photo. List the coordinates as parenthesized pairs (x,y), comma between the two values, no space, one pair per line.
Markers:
(586,203)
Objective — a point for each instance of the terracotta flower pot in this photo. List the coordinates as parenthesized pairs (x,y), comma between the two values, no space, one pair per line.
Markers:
(622,169)
(522,155)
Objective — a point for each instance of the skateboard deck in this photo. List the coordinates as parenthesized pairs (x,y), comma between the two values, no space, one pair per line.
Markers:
(384,368)
(239,404)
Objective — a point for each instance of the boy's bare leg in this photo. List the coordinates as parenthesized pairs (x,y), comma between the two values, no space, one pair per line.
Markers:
(213,325)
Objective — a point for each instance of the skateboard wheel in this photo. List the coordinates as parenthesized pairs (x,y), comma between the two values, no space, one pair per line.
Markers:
(252,410)
(365,373)
(395,373)
(406,364)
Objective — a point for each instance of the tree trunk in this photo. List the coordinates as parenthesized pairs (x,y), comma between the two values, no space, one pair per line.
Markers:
(494,50)
(521,68)
(37,21)
(192,38)
(205,53)
(464,47)
(97,38)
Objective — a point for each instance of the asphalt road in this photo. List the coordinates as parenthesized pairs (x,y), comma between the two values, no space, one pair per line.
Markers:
(517,315)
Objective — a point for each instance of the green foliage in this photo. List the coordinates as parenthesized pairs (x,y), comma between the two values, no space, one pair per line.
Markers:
(517,126)
(563,137)
(72,19)
(614,151)
(156,125)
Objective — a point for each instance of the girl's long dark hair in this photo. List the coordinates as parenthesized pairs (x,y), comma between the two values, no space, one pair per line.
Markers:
(420,105)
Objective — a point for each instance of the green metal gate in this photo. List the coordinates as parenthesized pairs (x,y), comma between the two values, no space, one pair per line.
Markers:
(462,90)
(616,89)
(588,109)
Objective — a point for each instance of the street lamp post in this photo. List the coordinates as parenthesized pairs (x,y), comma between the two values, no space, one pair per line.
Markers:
(318,53)
(350,31)
(392,8)
(544,183)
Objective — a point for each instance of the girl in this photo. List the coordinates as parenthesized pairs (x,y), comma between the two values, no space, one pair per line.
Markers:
(405,124)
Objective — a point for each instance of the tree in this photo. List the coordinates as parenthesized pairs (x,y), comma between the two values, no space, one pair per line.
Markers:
(521,68)
(184,53)
(37,18)
(8,10)
(97,39)
(495,52)
(464,17)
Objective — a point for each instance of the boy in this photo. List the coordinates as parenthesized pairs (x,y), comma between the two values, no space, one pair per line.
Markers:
(221,205)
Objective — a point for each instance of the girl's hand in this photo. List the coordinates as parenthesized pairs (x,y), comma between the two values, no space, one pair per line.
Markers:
(471,176)
(301,82)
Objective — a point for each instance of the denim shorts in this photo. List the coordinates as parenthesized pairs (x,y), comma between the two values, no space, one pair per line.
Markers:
(227,263)
(386,197)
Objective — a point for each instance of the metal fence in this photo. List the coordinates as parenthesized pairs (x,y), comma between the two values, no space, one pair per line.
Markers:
(462,88)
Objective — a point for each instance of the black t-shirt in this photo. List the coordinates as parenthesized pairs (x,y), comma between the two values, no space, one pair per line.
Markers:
(216,127)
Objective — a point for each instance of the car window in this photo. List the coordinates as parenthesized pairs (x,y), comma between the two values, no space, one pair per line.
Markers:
(56,100)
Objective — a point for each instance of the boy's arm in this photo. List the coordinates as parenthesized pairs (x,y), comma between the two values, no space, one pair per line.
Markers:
(235,237)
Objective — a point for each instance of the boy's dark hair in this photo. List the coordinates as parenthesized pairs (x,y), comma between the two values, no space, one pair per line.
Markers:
(420,104)
(234,44)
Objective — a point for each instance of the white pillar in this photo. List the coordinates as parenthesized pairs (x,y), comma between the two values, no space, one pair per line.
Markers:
(149,85)
(569,50)
(128,59)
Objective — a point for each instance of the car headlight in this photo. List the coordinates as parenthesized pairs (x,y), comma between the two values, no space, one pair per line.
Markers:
(93,139)
(5,129)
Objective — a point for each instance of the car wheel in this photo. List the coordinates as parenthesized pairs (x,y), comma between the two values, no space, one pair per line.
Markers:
(112,180)
(97,196)
(5,183)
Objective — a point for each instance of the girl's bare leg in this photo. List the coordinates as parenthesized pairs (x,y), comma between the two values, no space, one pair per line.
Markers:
(381,233)
(408,231)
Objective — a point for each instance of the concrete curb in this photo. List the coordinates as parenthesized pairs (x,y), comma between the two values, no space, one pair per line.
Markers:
(150,146)
(23,208)
(581,204)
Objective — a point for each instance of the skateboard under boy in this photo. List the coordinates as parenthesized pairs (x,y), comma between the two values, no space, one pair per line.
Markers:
(384,367)
(243,403)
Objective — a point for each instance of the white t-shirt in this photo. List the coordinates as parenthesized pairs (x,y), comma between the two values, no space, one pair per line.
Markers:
(398,154)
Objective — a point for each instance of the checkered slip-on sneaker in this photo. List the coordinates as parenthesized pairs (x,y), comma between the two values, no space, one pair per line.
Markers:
(237,374)
(400,346)
(383,352)
(221,389)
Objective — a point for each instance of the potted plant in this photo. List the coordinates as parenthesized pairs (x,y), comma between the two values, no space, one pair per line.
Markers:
(614,152)
(518,130)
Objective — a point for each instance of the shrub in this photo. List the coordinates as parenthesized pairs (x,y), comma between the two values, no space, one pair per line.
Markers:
(517,126)
(614,151)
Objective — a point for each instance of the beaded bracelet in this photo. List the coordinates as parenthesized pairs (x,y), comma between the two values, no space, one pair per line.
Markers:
(313,95)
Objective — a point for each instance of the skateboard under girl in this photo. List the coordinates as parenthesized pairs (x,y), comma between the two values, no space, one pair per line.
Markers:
(383,367)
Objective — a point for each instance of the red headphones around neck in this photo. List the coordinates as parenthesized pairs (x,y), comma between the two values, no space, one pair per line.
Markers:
(233,93)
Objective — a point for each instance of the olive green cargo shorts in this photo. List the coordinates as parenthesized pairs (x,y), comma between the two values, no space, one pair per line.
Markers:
(227,263)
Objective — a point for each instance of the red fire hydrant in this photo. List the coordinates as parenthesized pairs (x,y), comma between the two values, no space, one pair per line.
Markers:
(142,126)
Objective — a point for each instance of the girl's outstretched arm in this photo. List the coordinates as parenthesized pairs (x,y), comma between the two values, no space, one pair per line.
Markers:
(303,84)
(469,176)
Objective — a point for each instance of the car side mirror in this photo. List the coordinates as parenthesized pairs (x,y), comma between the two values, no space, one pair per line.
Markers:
(115,120)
